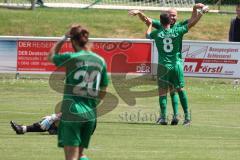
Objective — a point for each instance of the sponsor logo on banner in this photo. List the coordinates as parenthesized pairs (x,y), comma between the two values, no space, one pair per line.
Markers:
(209,59)
(32,55)
(143,68)
(194,51)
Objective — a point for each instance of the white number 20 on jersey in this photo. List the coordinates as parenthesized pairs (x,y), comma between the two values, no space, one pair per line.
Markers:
(86,86)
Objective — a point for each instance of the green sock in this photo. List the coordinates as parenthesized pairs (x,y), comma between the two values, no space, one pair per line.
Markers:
(174,99)
(163,106)
(184,103)
(84,158)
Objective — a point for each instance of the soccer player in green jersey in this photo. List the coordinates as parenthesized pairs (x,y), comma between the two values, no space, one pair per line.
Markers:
(170,69)
(173,23)
(85,85)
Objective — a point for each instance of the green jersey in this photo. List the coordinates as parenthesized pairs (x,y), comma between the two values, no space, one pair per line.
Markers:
(157,25)
(169,43)
(86,73)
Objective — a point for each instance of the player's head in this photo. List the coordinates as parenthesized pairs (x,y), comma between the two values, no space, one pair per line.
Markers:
(238,10)
(79,36)
(165,19)
(173,15)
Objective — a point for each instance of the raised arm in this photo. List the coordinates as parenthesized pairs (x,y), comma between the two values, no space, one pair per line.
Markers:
(141,16)
(149,30)
(194,11)
(198,10)
(57,47)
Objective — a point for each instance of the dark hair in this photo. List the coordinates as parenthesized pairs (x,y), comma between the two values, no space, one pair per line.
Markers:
(79,35)
(165,18)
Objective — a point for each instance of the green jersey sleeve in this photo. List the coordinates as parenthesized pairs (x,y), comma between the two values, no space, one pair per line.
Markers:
(183,29)
(104,77)
(156,23)
(153,34)
(61,59)
(182,23)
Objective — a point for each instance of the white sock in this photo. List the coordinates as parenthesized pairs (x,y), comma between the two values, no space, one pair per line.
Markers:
(24,129)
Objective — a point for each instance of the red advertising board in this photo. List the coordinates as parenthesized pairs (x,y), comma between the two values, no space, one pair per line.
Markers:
(120,56)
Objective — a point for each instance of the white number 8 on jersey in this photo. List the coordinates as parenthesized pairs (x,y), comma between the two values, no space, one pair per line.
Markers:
(167,45)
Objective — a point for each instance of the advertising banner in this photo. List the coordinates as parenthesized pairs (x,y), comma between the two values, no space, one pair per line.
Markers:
(208,59)
(120,56)
(201,58)
(211,59)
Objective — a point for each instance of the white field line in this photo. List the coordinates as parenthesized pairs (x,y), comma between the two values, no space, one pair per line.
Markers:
(20,112)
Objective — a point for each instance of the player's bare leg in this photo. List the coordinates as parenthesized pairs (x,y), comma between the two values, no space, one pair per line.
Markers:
(71,153)
(74,153)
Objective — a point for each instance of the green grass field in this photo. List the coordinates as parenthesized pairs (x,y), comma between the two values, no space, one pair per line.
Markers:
(128,132)
(102,23)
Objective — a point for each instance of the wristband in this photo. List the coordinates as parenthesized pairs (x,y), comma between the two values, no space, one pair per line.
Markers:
(64,38)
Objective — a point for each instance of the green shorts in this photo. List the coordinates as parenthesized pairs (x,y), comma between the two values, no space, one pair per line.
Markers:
(171,77)
(75,133)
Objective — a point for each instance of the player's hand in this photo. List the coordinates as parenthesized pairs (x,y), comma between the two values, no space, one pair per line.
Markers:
(45,123)
(198,6)
(201,8)
(205,9)
(134,12)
